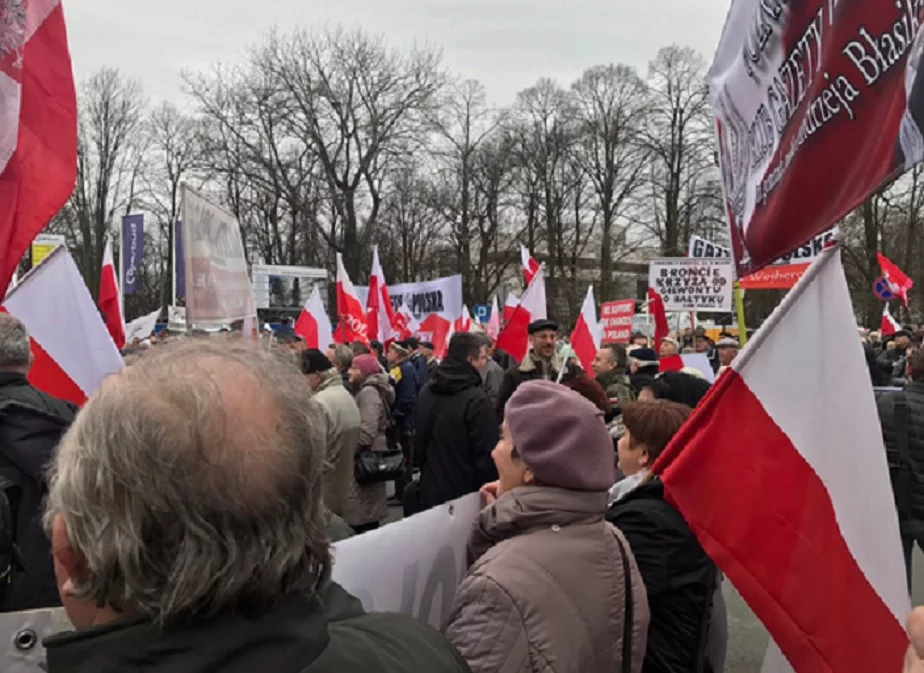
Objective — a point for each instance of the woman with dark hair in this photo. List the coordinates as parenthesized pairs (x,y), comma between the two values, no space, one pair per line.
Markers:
(676,387)
(592,391)
(681,581)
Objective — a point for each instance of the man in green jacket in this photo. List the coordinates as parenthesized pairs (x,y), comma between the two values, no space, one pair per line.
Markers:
(610,368)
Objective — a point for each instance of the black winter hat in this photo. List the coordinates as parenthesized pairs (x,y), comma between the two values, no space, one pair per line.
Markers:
(541,325)
(644,355)
(315,362)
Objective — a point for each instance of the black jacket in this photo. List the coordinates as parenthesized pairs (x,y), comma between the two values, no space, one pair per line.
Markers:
(641,378)
(907,480)
(679,577)
(404,410)
(456,432)
(31,425)
(320,634)
(532,369)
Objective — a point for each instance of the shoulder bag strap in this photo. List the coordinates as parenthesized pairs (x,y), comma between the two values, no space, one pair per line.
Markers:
(629,618)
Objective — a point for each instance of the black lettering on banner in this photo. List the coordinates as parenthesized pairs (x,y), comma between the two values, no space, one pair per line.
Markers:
(444,575)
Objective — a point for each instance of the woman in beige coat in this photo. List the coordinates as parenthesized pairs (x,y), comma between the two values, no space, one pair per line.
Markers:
(553,586)
(374,396)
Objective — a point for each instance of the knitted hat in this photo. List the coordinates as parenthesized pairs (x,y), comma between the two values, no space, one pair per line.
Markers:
(367,365)
(314,362)
(561,437)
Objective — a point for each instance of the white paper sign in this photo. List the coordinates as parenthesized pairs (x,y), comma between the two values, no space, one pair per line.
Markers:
(141,328)
(693,284)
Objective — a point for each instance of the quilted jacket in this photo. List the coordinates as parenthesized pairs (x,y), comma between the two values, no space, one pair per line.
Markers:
(547,591)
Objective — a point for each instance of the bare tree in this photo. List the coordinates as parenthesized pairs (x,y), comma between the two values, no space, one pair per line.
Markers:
(612,103)
(110,156)
(360,104)
(679,141)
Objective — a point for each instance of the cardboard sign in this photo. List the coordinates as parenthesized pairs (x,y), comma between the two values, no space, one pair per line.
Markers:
(693,284)
(617,318)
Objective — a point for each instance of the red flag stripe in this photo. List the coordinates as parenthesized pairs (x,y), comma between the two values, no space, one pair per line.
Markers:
(770,561)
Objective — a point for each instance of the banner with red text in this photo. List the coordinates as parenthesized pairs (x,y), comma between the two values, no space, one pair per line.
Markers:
(816,105)
(616,317)
(435,304)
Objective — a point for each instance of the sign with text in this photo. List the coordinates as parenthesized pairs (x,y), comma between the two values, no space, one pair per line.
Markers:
(43,245)
(132,252)
(687,284)
(617,317)
(817,104)
(286,287)
(218,289)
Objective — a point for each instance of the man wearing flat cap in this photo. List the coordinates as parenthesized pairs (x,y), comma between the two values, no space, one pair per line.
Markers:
(727,349)
(426,350)
(541,362)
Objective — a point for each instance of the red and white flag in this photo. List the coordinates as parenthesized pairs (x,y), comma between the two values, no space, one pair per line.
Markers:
(38,124)
(407,326)
(530,265)
(72,350)
(898,282)
(514,338)
(350,314)
(110,299)
(656,309)
(585,339)
(380,314)
(510,305)
(494,322)
(889,325)
(464,322)
(804,524)
(313,325)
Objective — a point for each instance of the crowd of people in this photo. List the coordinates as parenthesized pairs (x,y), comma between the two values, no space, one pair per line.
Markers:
(186,516)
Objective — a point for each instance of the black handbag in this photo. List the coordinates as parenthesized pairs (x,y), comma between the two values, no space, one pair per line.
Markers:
(374,467)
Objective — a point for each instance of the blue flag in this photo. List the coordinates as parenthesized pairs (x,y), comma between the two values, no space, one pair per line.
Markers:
(132,252)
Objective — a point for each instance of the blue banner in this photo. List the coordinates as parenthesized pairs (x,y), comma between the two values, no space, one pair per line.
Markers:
(132,252)
(179,263)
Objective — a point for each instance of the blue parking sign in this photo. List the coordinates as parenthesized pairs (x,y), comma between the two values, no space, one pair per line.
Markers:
(481,312)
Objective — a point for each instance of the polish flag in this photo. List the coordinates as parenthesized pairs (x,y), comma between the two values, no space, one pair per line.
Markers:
(514,338)
(656,308)
(72,350)
(898,282)
(510,305)
(38,125)
(804,525)
(585,339)
(110,299)
(380,314)
(889,325)
(530,265)
(405,323)
(464,322)
(350,314)
(494,322)
(313,325)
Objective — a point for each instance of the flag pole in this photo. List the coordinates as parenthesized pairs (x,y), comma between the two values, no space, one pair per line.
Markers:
(122,268)
(173,264)
(739,306)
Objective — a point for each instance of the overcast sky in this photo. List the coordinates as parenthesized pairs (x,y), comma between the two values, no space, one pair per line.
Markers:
(507,44)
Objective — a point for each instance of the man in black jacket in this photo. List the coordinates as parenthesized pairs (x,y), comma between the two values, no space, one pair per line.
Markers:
(456,426)
(902,416)
(31,425)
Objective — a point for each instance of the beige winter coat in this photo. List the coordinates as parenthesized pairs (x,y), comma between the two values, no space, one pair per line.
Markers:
(546,593)
(343,430)
(367,504)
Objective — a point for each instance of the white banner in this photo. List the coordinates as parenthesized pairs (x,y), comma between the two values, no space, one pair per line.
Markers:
(442,297)
(687,284)
(218,289)
(141,328)
(413,567)
(701,248)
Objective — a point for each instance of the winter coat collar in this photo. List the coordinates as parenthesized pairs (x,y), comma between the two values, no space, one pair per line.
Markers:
(531,363)
(330,379)
(294,632)
(530,507)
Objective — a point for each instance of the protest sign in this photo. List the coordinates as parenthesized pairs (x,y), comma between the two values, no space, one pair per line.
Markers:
(132,252)
(817,104)
(218,289)
(687,284)
(435,304)
(413,566)
(141,328)
(617,318)
(176,318)
(43,245)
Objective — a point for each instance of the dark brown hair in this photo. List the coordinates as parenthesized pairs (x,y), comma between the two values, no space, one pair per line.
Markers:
(654,423)
(916,365)
(590,390)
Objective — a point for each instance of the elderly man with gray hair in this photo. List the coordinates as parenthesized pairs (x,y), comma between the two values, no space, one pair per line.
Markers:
(186,521)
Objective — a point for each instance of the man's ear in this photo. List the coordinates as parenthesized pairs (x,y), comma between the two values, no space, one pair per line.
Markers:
(644,458)
(70,565)
(528,477)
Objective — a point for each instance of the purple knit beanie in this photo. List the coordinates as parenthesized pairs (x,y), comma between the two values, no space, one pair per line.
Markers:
(367,365)
(561,437)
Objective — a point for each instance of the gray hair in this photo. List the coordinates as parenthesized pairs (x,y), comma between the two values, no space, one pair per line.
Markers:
(14,343)
(343,356)
(191,485)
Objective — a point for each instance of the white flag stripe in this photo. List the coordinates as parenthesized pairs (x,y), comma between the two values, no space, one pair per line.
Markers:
(60,315)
